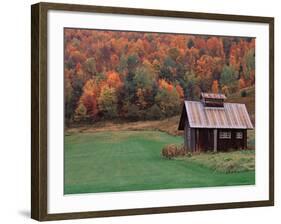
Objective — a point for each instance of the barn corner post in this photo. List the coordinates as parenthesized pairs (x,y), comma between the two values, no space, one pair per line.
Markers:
(186,139)
(215,140)
(245,137)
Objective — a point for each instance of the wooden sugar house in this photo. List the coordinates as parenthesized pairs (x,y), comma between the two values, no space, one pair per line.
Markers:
(211,124)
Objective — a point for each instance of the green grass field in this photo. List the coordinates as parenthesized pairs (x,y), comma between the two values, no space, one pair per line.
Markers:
(131,160)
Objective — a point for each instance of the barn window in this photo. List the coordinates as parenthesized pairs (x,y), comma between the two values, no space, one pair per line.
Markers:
(239,135)
(225,135)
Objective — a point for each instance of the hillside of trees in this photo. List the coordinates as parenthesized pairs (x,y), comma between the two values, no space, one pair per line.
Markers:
(146,76)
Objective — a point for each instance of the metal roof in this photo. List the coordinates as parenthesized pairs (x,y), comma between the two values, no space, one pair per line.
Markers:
(213,96)
(232,116)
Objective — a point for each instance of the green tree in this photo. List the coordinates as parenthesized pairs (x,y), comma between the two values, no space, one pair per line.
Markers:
(226,47)
(143,78)
(68,107)
(80,112)
(166,70)
(77,90)
(168,101)
(249,59)
(154,113)
(133,112)
(107,102)
(190,43)
(191,86)
(123,65)
(228,76)
(132,62)
(90,66)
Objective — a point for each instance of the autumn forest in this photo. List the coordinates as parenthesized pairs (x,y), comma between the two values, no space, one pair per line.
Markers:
(133,76)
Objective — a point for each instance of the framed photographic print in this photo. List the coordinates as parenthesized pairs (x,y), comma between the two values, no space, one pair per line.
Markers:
(139,111)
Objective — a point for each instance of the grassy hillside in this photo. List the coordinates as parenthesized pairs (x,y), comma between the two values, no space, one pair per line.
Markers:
(248,100)
(108,161)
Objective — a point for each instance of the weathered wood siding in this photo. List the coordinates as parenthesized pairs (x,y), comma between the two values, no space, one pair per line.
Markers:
(189,138)
(233,142)
(186,138)
(192,139)
(201,139)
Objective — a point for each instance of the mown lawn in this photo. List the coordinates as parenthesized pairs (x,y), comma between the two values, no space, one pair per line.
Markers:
(131,160)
